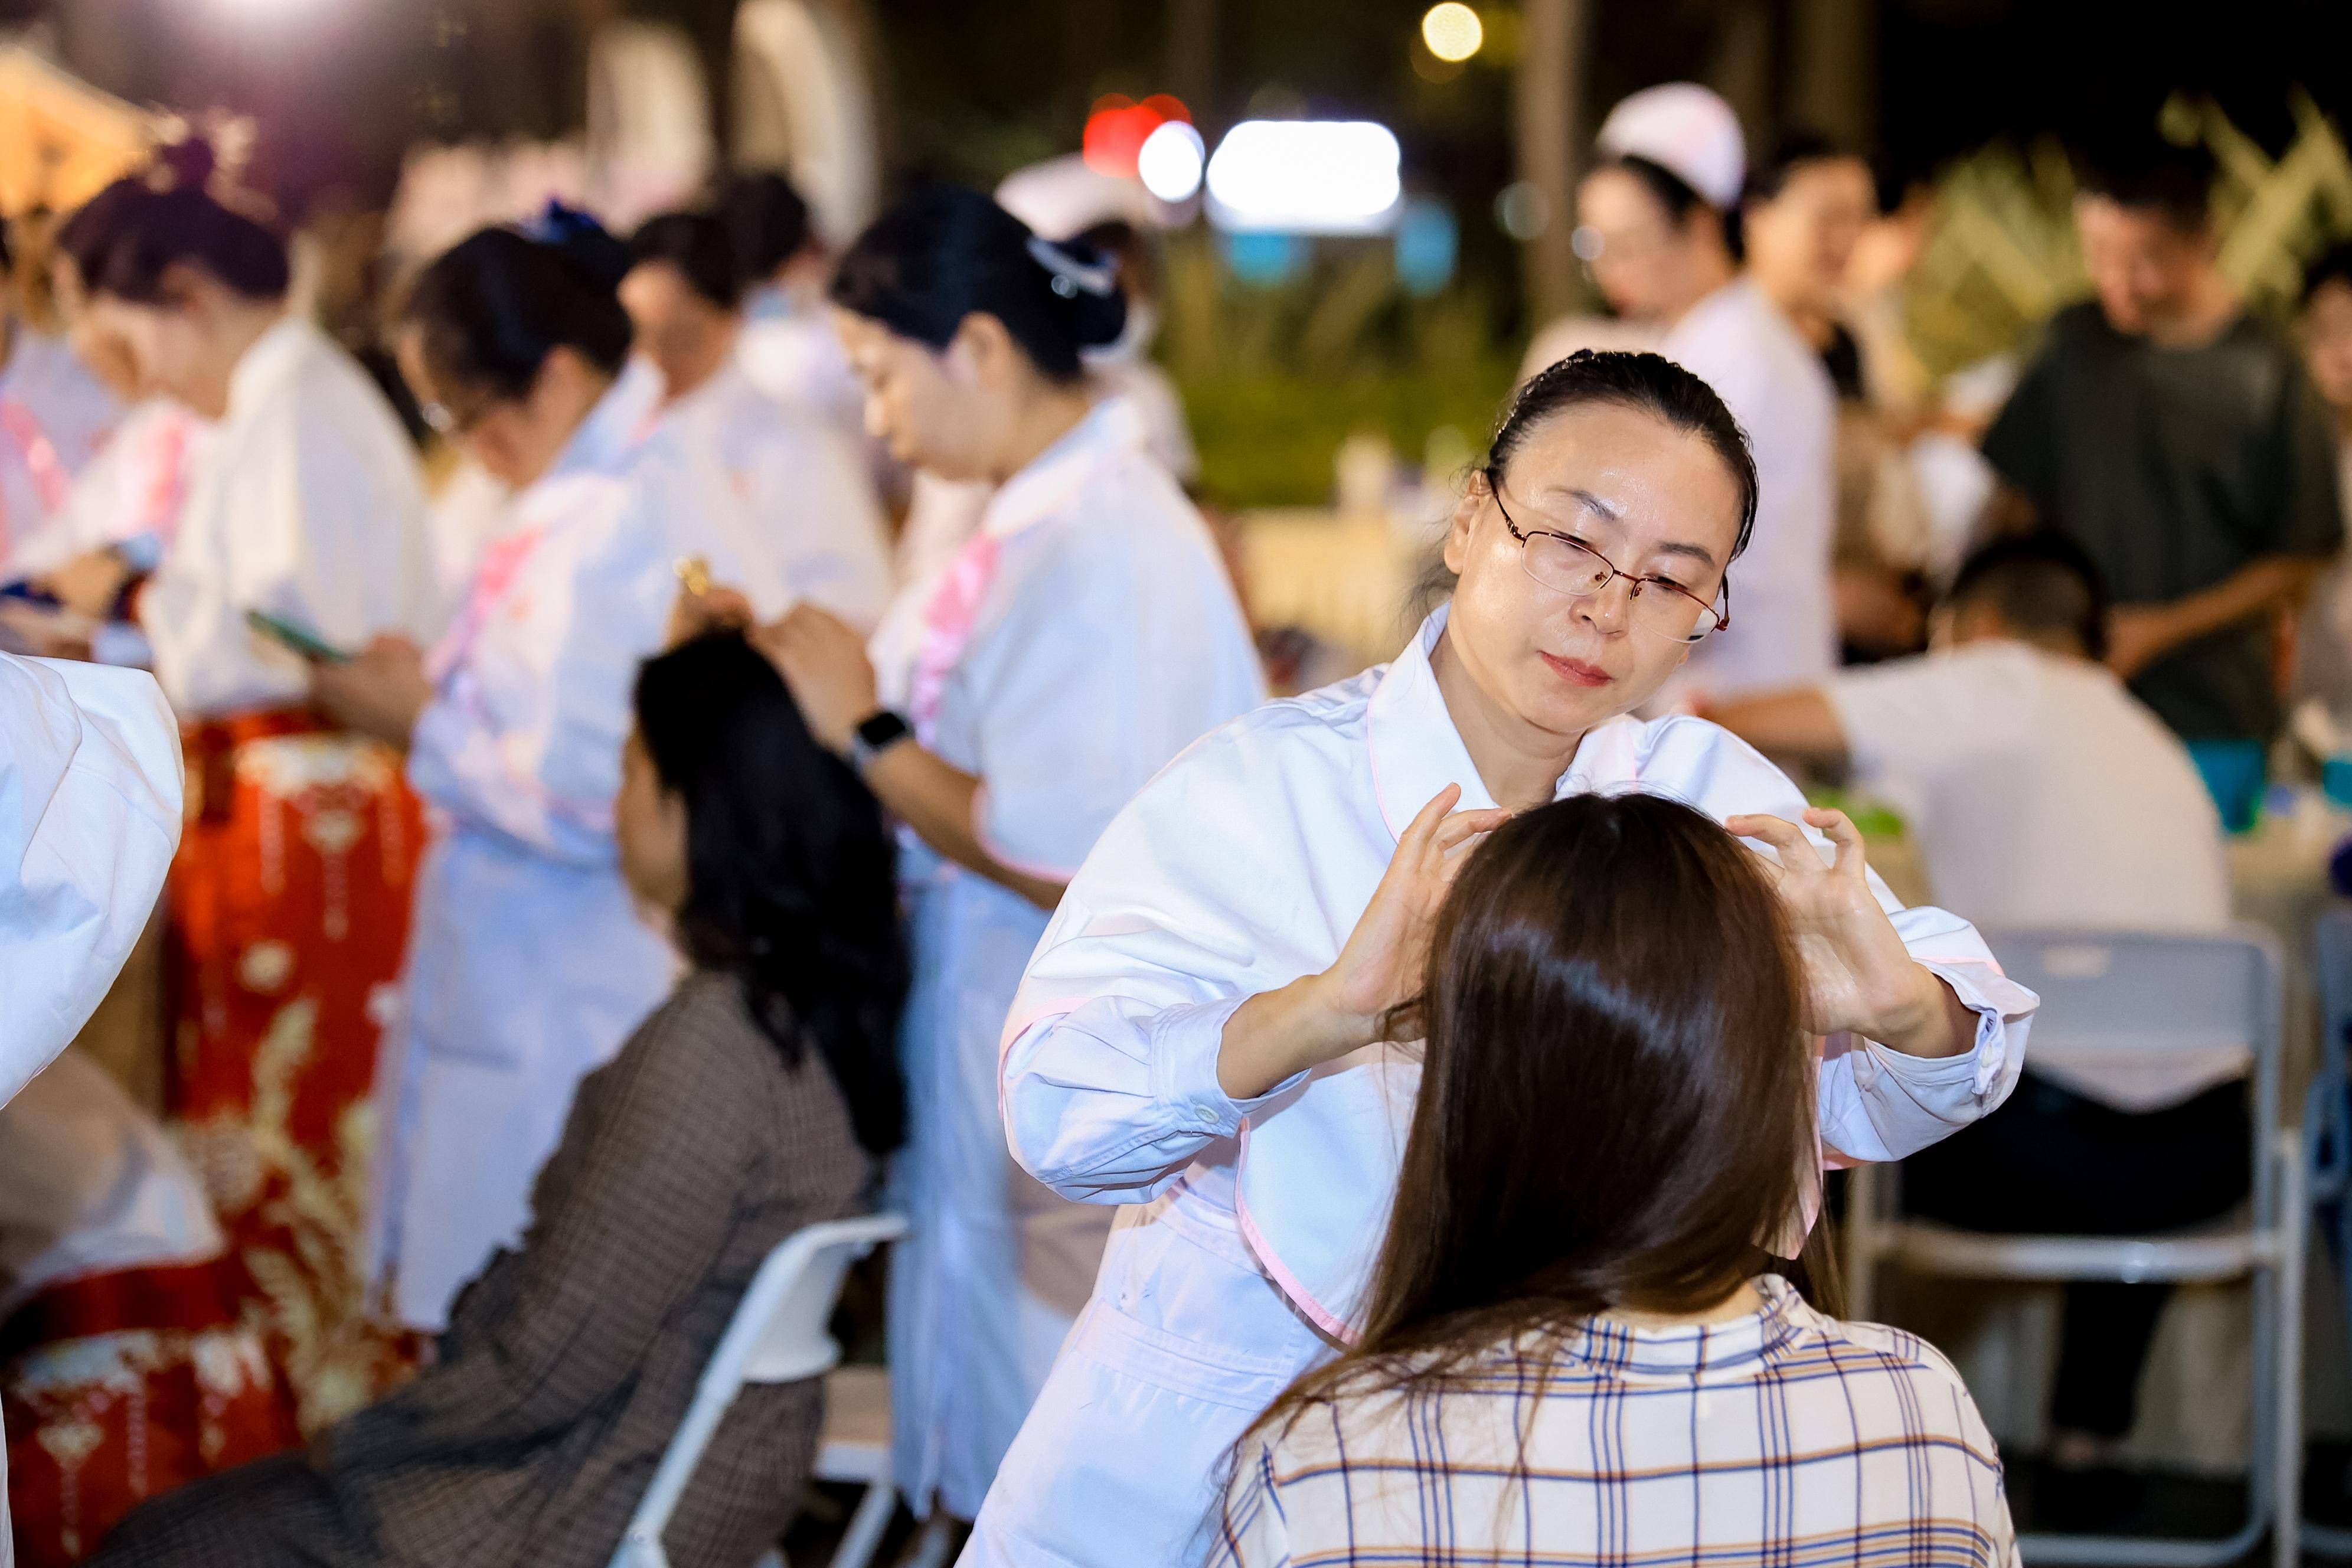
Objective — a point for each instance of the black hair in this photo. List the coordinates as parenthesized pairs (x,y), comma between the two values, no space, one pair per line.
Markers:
(2042,585)
(791,876)
(1668,189)
(127,236)
(2151,174)
(1792,153)
(767,221)
(2333,266)
(697,245)
(496,304)
(949,252)
(1648,383)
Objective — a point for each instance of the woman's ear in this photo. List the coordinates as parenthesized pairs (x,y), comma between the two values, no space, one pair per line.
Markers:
(988,352)
(1466,519)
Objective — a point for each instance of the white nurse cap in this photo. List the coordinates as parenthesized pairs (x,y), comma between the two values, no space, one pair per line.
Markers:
(1686,129)
(1062,197)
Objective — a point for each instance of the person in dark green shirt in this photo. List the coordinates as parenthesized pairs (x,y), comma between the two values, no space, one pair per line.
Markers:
(2178,440)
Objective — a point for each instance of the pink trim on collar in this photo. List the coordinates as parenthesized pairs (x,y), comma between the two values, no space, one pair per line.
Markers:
(947,623)
(1270,1260)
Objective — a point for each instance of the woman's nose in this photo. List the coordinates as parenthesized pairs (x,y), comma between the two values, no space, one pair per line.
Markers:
(1608,609)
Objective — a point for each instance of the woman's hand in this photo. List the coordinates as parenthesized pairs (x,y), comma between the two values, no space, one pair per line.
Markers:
(1379,969)
(379,693)
(1858,975)
(694,614)
(90,583)
(43,633)
(822,660)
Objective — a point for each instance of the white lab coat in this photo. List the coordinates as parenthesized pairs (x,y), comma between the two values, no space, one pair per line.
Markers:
(1783,627)
(304,503)
(55,415)
(808,523)
(134,488)
(1084,637)
(527,965)
(1239,869)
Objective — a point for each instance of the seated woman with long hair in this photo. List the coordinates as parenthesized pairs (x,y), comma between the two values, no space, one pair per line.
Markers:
(753,1102)
(1574,1350)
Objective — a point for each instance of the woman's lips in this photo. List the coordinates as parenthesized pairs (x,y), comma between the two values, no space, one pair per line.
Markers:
(1577,672)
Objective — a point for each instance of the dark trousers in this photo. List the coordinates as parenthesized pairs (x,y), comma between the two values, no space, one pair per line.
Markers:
(2051,1162)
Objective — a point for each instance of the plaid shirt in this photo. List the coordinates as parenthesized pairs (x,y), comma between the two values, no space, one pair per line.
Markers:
(1787,1439)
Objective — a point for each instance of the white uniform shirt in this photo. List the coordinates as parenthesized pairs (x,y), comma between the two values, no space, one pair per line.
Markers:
(1783,629)
(306,504)
(90,815)
(790,351)
(135,486)
(806,521)
(2042,794)
(55,415)
(1241,867)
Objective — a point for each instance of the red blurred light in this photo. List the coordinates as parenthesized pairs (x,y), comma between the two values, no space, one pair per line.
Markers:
(1119,126)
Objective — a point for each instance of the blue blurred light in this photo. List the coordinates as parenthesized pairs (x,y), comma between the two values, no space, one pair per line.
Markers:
(1263,257)
(1428,240)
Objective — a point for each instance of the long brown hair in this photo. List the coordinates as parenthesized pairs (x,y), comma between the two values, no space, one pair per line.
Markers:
(1617,1105)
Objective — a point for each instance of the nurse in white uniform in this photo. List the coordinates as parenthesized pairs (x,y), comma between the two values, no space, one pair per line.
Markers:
(1085,635)
(1651,220)
(1199,1035)
(527,965)
(811,524)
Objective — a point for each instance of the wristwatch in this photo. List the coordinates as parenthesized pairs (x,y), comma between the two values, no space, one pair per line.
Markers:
(876,735)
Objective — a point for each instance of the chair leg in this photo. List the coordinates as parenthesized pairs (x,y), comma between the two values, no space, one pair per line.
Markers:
(859,1541)
(933,1546)
(2286,1471)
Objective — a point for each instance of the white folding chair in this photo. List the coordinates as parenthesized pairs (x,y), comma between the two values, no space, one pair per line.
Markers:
(779,1335)
(2118,993)
(2327,1127)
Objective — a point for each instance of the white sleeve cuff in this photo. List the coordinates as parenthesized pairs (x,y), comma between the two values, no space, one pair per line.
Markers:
(1185,1043)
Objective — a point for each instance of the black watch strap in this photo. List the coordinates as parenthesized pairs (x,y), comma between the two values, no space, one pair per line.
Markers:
(875,735)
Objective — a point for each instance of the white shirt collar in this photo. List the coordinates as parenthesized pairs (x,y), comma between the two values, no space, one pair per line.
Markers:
(1054,476)
(617,426)
(1416,751)
(271,358)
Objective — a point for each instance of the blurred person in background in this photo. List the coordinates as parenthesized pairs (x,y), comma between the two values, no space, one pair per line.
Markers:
(2323,666)
(811,526)
(754,1102)
(1085,635)
(1806,213)
(56,413)
(1653,223)
(289,900)
(530,965)
(2045,796)
(2176,437)
(781,262)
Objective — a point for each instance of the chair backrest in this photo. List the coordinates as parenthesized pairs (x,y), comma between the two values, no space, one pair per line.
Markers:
(779,1334)
(2141,994)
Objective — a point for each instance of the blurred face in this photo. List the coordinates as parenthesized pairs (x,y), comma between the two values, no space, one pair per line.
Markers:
(2327,344)
(2147,269)
(1640,257)
(107,355)
(650,823)
(686,336)
(934,408)
(1655,501)
(163,349)
(515,439)
(1801,241)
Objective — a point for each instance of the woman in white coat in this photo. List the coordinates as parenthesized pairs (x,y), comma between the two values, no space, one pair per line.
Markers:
(1083,635)
(528,965)
(1200,1034)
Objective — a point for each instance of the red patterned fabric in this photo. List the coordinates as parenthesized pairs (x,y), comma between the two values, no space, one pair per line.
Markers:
(288,918)
(121,1386)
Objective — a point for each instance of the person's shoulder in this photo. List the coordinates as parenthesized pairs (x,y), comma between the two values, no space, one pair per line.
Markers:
(1899,1354)
(703,1040)
(1693,760)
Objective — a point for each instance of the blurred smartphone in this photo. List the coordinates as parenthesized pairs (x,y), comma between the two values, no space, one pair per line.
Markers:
(289,635)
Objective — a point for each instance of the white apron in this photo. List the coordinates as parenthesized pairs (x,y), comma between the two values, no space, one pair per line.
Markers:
(1086,635)
(528,966)
(1241,868)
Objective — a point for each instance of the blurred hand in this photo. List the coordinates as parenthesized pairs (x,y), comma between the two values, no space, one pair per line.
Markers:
(1857,974)
(43,633)
(823,659)
(2137,635)
(379,692)
(697,614)
(90,583)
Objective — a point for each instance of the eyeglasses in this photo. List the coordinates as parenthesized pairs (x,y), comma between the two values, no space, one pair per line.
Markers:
(1570,566)
(449,423)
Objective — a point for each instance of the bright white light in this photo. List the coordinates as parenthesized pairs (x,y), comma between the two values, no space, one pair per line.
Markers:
(1452,31)
(1170,163)
(1306,176)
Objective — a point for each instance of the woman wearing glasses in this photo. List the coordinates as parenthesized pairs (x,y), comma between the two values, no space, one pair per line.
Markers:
(1203,1032)
(528,966)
